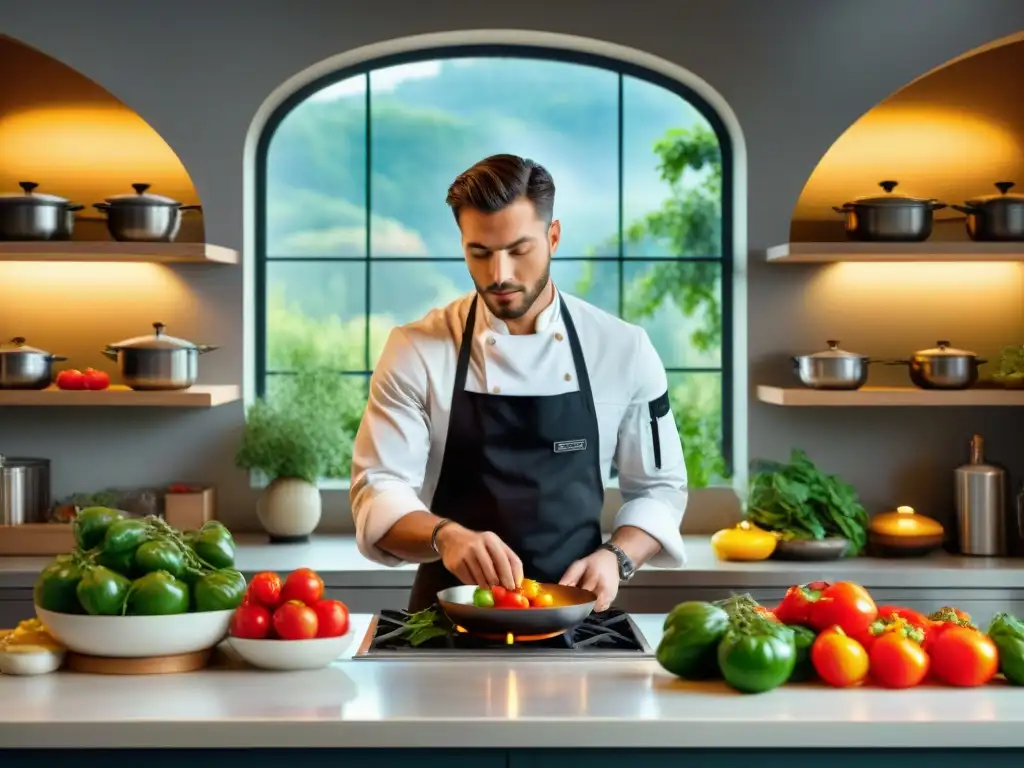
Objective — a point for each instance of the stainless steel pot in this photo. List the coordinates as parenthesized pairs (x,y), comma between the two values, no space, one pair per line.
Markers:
(142,217)
(25,367)
(889,218)
(30,215)
(943,367)
(995,218)
(24,490)
(832,369)
(158,361)
(66,223)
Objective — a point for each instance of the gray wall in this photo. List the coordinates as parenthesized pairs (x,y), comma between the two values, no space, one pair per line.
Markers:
(796,72)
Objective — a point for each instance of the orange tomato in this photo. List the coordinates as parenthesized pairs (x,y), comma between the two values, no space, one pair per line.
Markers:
(529,589)
(897,661)
(963,657)
(838,659)
(542,600)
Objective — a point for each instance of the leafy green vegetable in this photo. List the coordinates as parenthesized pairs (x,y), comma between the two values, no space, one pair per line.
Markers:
(425,625)
(801,502)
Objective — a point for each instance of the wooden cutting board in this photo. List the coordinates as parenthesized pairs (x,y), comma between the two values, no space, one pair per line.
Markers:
(151,665)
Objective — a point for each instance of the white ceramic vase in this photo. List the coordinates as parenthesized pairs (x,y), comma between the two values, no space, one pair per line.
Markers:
(289,510)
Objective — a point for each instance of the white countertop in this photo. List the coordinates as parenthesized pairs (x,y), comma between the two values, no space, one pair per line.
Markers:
(493,703)
(336,558)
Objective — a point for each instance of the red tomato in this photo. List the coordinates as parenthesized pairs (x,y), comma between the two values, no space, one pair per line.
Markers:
(892,619)
(251,622)
(295,620)
(72,378)
(332,618)
(265,589)
(499,593)
(963,657)
(94,379)
(796,604)
(897,661)
(943,619)
(843,604)
(838,659)
(511,600)
(303,585)
(542,600)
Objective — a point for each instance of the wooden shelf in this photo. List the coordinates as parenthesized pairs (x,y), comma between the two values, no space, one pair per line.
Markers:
(889,396)
(823,253)
(120,396)
(110,251)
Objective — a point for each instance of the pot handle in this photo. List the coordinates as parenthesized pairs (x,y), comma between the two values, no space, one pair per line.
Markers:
(110,354)
(841,208)
(101,206)
(980,361)
(968,209)
(74,207)
(202,349)
(57,358)
(895,362)
(190,208)
(935,205)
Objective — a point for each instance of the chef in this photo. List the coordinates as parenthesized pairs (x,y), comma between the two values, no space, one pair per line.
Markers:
(493,423)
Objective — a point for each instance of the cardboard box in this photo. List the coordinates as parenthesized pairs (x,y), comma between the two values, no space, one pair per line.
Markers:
(189,509)
(32,539)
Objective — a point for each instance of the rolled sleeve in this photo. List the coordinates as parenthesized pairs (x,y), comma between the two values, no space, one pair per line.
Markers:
(652,468)
(389,455)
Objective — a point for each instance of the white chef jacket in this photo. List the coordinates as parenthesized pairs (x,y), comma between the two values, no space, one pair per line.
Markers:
(398,450)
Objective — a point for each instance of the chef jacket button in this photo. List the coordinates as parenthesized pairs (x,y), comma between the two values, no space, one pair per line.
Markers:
(568,377)
(491,340)
(496,390)
(558,337)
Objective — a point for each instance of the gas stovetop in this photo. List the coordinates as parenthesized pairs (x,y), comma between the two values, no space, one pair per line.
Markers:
(608,635)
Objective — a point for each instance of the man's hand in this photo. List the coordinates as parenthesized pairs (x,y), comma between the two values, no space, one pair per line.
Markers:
(597,572)
(479,558)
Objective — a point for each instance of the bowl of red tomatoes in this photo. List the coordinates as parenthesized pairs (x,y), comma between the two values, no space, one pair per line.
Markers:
(288,624)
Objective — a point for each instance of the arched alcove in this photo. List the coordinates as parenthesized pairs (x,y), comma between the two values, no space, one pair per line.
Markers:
(950,135)
(73,138)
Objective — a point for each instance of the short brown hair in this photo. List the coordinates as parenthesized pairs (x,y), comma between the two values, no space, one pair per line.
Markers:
(499,180)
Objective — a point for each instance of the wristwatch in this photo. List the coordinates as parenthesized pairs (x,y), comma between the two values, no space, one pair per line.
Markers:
(627,568)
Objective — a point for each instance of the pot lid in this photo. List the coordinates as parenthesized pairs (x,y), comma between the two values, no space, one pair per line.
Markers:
(17,346)
(141,197)
(904,521)
(1004,188)
(890,198)
(156,340)
(834,351)
(943,349)
(30,197)
(22,461)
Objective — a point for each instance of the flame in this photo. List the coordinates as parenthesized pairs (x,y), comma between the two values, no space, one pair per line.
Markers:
(509,638)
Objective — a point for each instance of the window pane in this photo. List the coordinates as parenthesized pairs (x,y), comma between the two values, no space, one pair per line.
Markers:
(675,211)
(679,304)
(404,291)
(316,308)
(596,282)
(433,119)
(316,176)
(697,406)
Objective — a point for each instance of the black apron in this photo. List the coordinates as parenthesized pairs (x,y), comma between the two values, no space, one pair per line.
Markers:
(525,468)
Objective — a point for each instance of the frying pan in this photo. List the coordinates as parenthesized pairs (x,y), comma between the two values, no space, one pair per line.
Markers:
(571,606)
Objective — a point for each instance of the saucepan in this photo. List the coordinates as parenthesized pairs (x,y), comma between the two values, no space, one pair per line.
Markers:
(571,606)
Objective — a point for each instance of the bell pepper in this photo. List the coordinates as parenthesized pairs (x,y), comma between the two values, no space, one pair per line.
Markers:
(221,590)
(160,555)
(214,545)
(102,591)
(803,668)
(55,588)
(756,655)
(689,645)
(157,594)
(122,562)
(125,535)
(1007,632)
(796,604)
(90,525)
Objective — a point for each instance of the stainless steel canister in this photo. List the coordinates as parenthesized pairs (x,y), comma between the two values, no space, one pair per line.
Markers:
(24,490)
(981,505)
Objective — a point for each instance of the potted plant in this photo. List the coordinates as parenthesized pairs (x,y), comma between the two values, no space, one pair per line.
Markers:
(296,436)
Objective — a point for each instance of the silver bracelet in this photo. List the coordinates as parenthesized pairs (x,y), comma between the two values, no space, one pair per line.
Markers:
(433,536)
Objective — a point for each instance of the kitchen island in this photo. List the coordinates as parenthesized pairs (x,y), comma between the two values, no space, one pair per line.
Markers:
(490,713)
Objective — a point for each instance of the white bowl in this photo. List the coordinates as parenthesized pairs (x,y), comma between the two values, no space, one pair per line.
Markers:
(38,661)
(133,637)
(290,655)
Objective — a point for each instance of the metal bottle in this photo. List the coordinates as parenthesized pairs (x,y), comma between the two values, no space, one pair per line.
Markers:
(981,504)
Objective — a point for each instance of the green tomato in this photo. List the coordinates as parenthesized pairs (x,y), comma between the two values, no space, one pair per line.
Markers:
(56,587)
(1007,632)
(102,591)
(90,525)
(157,594)
(803,639)
(221,590)
(483,598)
(214,545)
(688,646)
(755,657)
(160,555)
(125,535)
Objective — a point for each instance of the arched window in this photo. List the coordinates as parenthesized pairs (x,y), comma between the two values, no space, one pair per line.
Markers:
(354,237)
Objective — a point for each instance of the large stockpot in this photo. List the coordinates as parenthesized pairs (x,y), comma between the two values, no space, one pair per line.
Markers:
(943,367)
(157,361)
(995,218)
(24,490)
(833,368)
(889,218)
(30,215)
(25,367)
(143,217)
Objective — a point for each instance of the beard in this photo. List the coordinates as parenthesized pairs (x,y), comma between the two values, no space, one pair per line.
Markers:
(520,302)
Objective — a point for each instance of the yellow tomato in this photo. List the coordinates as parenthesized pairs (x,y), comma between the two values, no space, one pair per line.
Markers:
(744,542)
(542,600)
(529,589)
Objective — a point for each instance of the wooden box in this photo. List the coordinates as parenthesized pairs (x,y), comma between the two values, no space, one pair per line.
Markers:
(34,539)
(188,507)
